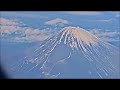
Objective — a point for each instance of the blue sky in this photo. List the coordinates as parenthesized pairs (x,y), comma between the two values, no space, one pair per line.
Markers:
(75,17)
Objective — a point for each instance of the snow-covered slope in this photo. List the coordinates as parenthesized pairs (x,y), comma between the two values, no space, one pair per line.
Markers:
(73,53)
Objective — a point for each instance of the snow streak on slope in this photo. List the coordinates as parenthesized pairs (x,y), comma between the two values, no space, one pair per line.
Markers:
(74,53)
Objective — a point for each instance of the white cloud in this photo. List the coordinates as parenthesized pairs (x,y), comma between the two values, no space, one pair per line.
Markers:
(83,12)
(30,31)
(21,34)
(56,21)
(7,29)
(37,35)
(4,21)
(106,35)
(8,25)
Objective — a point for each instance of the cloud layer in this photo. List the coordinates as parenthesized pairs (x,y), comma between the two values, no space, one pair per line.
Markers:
(105,35)
(12,29)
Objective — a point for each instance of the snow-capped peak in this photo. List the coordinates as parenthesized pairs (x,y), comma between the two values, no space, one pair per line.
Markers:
(77,35)
(78,49)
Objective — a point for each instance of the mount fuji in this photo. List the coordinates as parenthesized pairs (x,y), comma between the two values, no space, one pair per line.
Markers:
(71,53)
